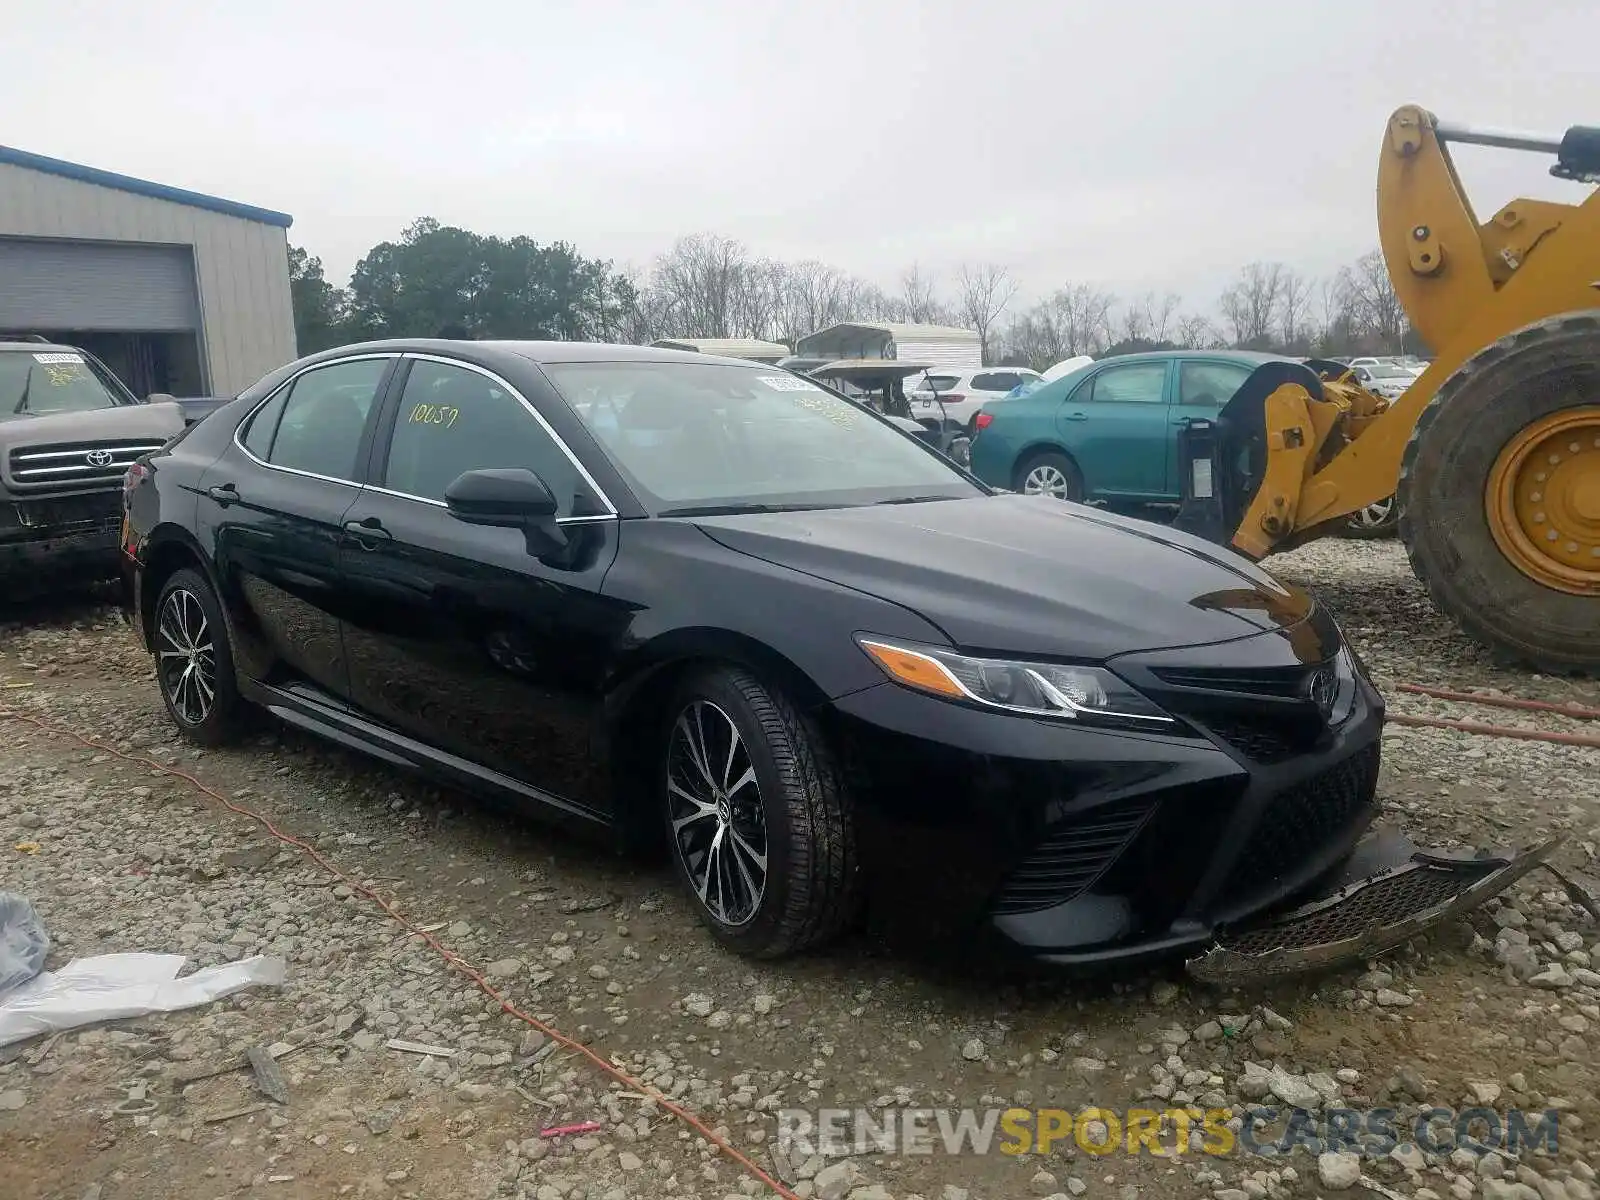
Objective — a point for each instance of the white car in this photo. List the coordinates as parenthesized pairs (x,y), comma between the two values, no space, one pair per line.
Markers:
(963,392)
(1384,376)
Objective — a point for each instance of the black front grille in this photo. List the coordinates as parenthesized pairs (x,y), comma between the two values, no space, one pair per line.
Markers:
(1262,714)
(75,466)
(1386,901)
(1304,820)
(1067,862)
(1284,682)
(1264,738)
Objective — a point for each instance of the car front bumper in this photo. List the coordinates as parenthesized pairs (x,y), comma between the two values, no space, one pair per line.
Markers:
(43,544)
(1091,848)
(1079,845)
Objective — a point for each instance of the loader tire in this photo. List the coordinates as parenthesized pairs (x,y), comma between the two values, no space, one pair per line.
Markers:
(1448,518)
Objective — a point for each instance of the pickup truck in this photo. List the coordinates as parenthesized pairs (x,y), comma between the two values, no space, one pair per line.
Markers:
(69,430)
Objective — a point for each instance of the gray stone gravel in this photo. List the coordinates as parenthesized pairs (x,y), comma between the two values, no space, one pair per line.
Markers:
(1503,1012)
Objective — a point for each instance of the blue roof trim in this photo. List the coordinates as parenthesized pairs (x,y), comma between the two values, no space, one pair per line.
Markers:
(142,187)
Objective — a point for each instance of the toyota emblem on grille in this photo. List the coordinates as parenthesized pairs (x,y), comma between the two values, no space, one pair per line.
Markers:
(1322,688)
(99,458)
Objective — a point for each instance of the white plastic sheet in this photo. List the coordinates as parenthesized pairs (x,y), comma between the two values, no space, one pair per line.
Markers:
(108,987)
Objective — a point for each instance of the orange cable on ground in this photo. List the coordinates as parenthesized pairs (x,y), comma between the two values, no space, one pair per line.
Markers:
(1576,711)
(444,952)
(1505,731)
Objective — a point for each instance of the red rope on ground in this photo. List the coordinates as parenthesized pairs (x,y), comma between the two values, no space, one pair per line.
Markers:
(1576,711)
(1505,731)
(444,952)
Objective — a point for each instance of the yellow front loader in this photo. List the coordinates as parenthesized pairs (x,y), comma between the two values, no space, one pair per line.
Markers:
(1493,453)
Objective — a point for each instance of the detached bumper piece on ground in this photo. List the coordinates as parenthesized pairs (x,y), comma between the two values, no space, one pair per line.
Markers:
(1389,893)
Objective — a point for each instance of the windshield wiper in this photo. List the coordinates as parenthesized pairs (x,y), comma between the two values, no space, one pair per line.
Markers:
(915,499)
(729,510)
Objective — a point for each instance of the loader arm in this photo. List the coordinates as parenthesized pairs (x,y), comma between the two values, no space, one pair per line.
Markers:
(1462,283)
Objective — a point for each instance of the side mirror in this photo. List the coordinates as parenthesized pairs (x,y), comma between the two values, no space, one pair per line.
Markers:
(161,398)
(512,497)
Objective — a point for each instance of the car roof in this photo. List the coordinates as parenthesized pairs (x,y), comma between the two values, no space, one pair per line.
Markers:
(1256,357)
(499,352)
(39,347)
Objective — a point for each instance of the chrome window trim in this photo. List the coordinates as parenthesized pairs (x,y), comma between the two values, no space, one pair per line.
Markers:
(287,383)
(610,514)
(244,424)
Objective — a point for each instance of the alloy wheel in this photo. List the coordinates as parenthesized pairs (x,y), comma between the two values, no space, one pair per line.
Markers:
(1046,480)
(1374,516)
(719,826)
(185,656)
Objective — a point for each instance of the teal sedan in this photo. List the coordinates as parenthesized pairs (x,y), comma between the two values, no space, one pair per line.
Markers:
(1107,432)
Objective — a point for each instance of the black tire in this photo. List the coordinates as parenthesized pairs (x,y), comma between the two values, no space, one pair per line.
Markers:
(811,887)
(1444,478)
(211,721)
(1051,461)
(1373,526)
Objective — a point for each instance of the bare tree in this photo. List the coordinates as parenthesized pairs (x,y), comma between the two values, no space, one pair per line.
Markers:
(1084,312)
(1196,332)
(1073,320)
(1377,307)
(918,296)
(984,292)
(811,296)
(1294,308)
(1136,320)
(1251,304)
(1162,313)
(1337,312)
(698,285)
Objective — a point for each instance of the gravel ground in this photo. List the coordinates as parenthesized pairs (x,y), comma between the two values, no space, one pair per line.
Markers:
(119,857)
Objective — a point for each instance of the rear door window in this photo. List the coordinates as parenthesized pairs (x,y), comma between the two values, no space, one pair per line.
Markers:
(996,381)
(1210,384)
(1138,383)
(324,414)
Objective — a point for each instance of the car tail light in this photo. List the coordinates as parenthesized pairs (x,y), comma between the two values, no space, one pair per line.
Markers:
(137,473)
(983,420)
(952,397)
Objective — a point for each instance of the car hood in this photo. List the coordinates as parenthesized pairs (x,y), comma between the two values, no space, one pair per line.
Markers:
(129,425)
(1028,575)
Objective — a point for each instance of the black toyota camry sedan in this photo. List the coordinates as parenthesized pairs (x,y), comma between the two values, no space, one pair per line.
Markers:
(715,602)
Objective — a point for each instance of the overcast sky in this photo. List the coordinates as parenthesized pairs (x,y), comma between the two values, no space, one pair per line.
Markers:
(1136,145)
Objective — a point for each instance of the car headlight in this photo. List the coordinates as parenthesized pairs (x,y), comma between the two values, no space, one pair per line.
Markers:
(1088,695)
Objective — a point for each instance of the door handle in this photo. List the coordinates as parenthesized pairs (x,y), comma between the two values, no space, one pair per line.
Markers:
(224,493)
(367,532)
(1180,420)
(1075,416)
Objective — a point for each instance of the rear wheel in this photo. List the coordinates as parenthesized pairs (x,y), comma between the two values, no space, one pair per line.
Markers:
(761,830)
(1049,473)
(194,662)
(1500,495)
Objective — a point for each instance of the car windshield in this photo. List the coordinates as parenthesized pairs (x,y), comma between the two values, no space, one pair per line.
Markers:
(1387,371)
(709,437)
(50,381)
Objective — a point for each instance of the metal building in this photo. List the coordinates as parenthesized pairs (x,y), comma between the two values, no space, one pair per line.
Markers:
(176,291)
(942,345)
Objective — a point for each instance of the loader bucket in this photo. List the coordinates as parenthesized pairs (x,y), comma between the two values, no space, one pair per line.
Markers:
(1223,461)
